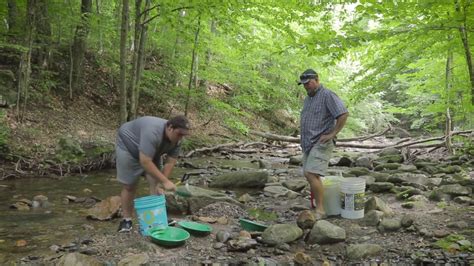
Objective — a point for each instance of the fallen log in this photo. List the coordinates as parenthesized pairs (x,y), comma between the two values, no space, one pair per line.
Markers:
(344,142)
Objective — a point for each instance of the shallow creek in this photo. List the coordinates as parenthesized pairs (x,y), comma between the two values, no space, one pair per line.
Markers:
(28,232)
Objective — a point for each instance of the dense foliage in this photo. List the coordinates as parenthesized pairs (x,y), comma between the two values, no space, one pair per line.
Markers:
(387,61)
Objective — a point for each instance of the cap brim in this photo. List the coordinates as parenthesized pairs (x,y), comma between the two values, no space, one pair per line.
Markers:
(303,81)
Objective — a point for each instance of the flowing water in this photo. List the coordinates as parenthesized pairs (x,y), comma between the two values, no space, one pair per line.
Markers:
(62,223)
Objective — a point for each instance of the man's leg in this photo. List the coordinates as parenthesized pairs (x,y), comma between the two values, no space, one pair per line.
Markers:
(127,195)
(317,188)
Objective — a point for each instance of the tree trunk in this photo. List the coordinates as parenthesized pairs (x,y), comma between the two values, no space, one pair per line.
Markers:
(141,54)
(123,62)
(12,18)
(449,66)
(25,62)
(133,71)
(79,45)
(43,33)
(465,41)
(193,61)
(101,45)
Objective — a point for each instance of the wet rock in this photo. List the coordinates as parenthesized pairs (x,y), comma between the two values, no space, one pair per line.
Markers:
(42,200)
(78,259)
(379,187)
(324,232)
(375,203)
(451,169)
(106,209)
(360,251)
(390,225)
(135,260)
(306,219)
(222,236)
(281,233)
(295,185)
(241,179)
(372,218)
(408,205)
(340,161)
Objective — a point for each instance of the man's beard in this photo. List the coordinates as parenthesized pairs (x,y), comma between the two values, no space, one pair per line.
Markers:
(311,93)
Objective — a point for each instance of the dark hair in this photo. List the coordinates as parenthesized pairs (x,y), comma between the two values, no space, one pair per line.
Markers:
(179,121)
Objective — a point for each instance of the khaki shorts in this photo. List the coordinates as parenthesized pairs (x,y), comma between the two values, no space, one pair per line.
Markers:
(317,159)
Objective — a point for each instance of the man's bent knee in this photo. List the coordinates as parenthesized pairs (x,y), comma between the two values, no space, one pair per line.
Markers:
(310,175)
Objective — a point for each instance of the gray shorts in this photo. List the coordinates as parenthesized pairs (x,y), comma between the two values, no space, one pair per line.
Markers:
(129,169)
(316,161)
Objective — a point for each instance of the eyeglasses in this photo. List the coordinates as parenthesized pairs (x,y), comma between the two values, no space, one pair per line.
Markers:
(307,76)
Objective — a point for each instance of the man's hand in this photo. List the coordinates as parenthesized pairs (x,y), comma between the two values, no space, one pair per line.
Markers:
(168,185)
(326,138)
(159,190)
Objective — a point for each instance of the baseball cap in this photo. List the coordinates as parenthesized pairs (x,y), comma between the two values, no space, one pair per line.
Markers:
(307,75)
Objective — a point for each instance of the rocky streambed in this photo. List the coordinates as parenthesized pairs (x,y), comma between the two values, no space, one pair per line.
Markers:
(417,210)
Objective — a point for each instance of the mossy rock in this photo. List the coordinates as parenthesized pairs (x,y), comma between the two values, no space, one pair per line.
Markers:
(387,166)
(379,176)
(424,164)
(408,193)
(395,158)
(358,171)
(438,195)
(451,169)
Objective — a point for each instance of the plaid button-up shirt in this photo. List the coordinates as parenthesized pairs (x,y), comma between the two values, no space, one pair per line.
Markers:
(319,116)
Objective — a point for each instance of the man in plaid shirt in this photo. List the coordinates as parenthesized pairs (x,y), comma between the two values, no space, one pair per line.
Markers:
(322,117)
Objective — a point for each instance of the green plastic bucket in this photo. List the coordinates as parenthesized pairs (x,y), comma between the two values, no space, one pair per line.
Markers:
(151,213)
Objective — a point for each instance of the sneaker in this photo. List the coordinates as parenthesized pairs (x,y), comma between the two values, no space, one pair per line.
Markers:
(125,226)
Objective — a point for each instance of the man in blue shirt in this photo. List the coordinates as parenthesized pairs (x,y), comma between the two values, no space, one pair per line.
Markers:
(322,117)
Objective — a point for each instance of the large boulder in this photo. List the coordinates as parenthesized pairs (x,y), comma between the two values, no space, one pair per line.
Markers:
(281,233)
(324,232)
(106,209)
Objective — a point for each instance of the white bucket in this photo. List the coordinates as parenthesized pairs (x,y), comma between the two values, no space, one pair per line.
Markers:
(332,195)
(352,198)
